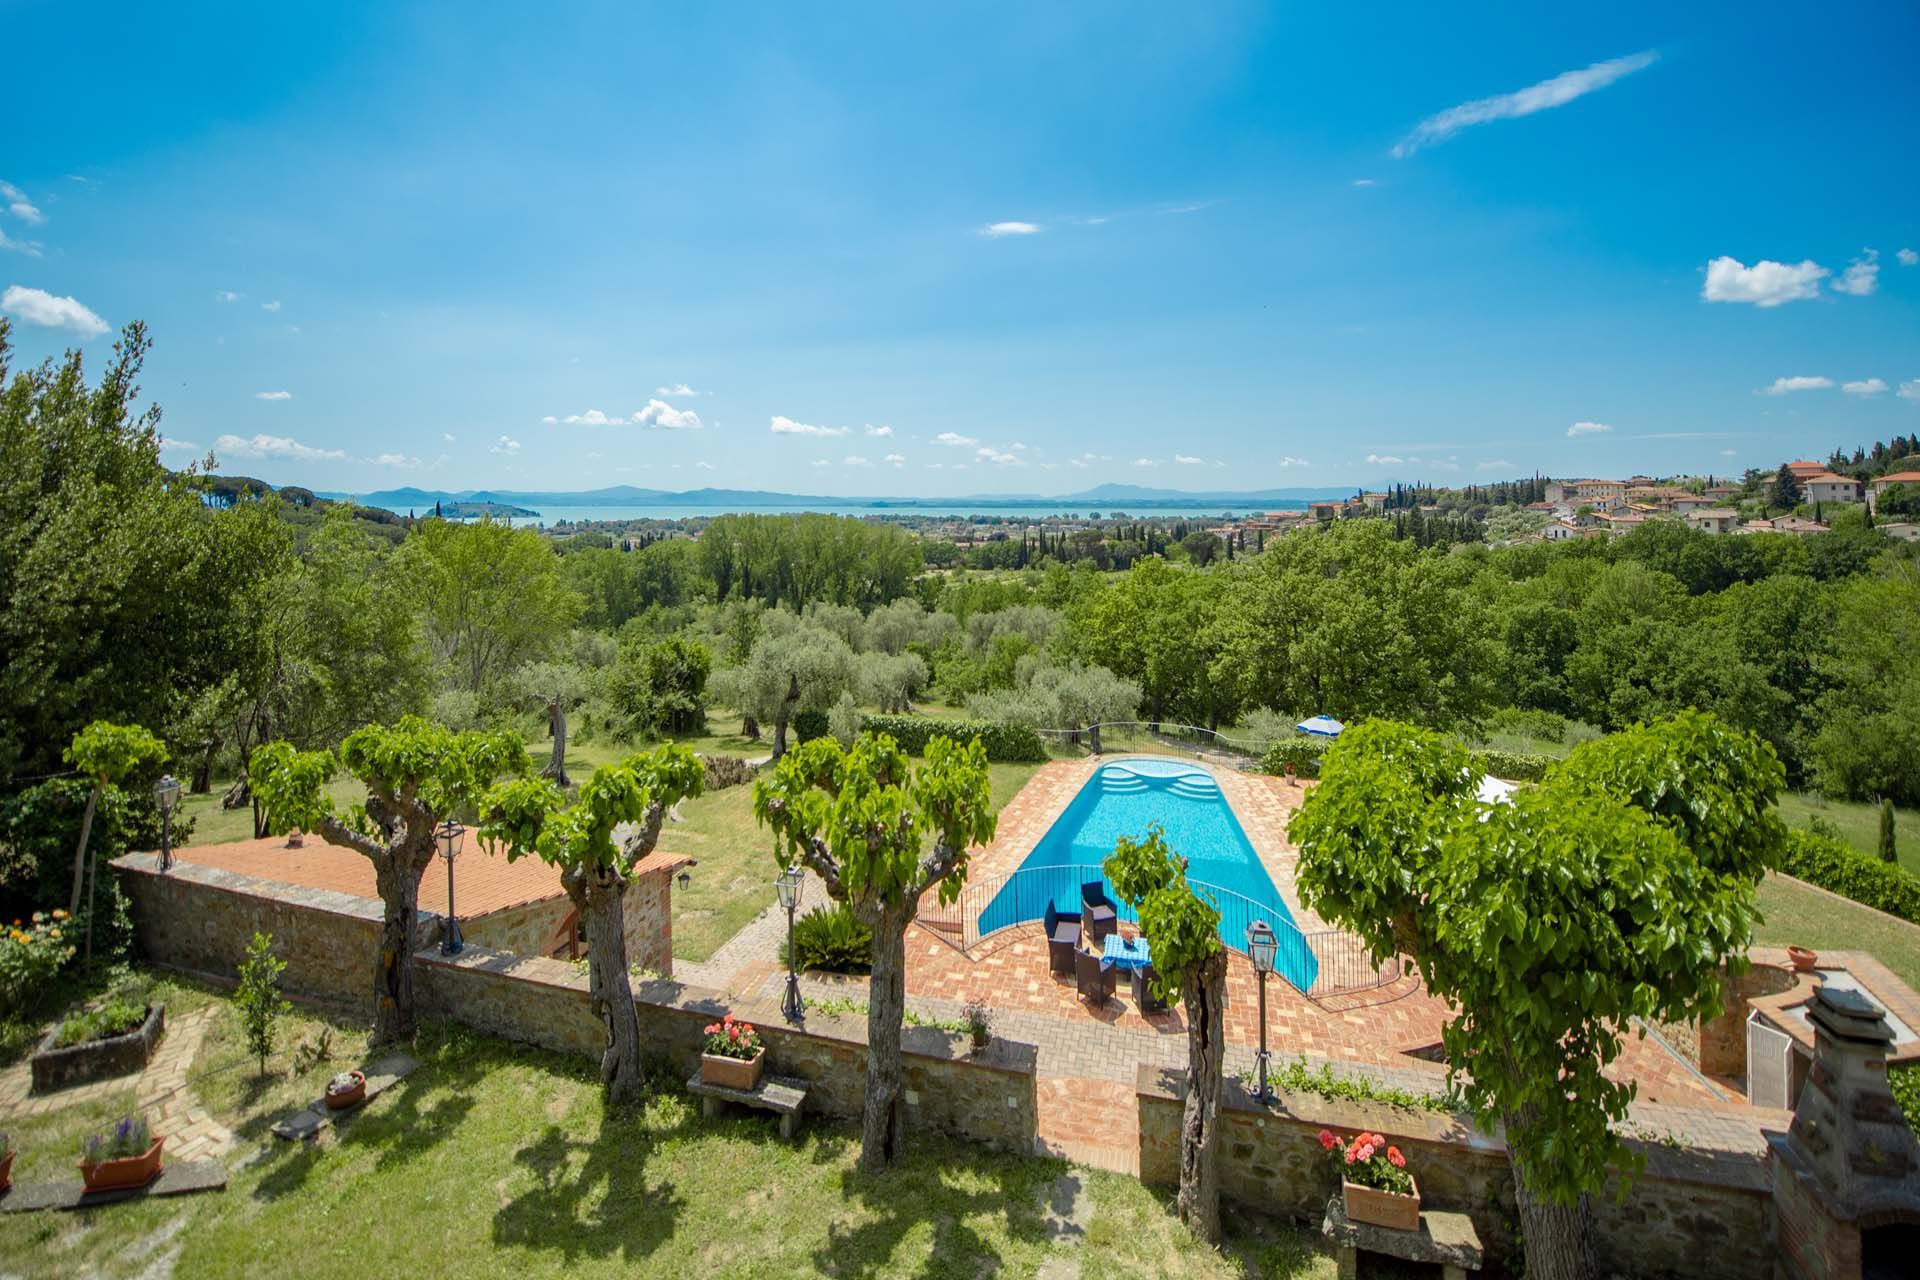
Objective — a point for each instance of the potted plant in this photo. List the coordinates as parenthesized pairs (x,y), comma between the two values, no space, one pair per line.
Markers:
(127,1155)
(6,1162)
(348,1089)
(1802,958)
(1375,1186)
(978,1016)
(734,1055)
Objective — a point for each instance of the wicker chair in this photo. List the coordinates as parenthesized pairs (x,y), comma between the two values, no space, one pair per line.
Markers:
(1143,998)
(1099,912)
(1063,939)
(1095,984)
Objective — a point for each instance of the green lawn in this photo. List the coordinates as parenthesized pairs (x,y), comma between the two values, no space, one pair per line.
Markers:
(1795,914)
(497,1159)
(1859,824)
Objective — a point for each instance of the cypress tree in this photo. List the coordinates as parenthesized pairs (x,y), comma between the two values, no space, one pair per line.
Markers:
(1887,851)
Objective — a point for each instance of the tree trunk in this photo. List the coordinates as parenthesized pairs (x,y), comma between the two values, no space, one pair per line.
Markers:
(1206,998)
(599,895)
(397,876)
(1093,736)
(1559,1242)
(782,716)
(886,1011)
(80,850)
(203,771)
(557,726)
(750,728)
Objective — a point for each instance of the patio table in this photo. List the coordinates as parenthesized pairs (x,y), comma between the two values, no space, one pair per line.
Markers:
(1123,953)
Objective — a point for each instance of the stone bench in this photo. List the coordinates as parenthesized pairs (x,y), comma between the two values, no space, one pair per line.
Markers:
(1444,1238)
(779,1094)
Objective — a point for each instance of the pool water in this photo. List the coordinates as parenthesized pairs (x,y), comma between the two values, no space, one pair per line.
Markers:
(1123,798)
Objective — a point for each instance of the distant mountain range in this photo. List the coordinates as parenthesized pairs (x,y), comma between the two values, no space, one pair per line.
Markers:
(626,495)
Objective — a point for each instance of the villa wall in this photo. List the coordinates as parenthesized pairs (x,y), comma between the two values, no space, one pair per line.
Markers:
(527,930)
(1689,1215)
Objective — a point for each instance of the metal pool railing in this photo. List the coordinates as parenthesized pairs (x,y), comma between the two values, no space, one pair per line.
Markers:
(1320,963)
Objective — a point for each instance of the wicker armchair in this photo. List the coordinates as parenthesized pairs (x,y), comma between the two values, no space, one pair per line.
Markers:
(1063,939)
(1099,912)
(1095,984)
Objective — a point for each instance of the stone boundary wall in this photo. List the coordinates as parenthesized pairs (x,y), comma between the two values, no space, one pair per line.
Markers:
(1690,1214)
(201,919)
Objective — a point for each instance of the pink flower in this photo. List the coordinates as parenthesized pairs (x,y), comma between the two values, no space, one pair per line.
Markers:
(1352,1154)
(1326,1140)
(1366,1151)
(1395,1158)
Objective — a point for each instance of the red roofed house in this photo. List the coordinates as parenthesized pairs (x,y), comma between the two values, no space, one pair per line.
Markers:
(1828,487)
(1878,484)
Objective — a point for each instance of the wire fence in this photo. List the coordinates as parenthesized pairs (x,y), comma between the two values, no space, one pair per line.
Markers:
(1156,735)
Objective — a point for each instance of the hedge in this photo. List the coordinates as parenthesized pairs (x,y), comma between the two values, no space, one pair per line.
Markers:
(1302,753)
(1827,862)
(1514,766)
(1007,743)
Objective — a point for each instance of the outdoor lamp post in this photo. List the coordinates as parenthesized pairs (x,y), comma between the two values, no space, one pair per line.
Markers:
(451,835)
(167,792)
(1261,944)
(788,885)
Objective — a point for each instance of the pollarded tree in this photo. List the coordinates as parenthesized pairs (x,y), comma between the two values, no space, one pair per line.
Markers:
(1190,965)
(862,820)
(107,753)
(416,773)
(1613,890)
(531,815)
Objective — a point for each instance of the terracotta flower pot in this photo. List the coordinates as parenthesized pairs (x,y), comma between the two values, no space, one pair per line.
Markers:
(981,1039)
(341,1099)
(1382,1208)
(733,1073)
(6,1171)
(124,1172)
(1802,958)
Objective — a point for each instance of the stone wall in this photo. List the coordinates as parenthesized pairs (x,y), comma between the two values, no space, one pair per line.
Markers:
(1688,1215)
(648,912)
(527,930)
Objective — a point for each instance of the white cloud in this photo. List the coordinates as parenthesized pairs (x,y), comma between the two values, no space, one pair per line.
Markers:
(1865,387)
(270,306)
(447,436)
(1765,284)
(266,446)
(879,433)
(1800,382)
(998,458)
(225,295)
(37,306)
(591,418)
(820,462)
(19,206)
(1862,275)
(1017,447)
(169,444)
(1188,460)
(506,445)
(678,391)
(704,465)
(1728,453)
(1557,92)
(1385,459)
(955,440)
(29,247)
(399,460)
(994,230)
(1910,390)
(1579,429)
(897,459)
(1494,464)
(1364,182)
(1450,464)
(1291,461)
(784,426)
(855,460)
(1908,257)
(1077,462)
(1145,462)
(659,413)
(273,395)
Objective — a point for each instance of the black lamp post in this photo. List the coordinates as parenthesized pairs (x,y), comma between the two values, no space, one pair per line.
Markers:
(451,835)
(167,792)
(1261,945)
(788,885)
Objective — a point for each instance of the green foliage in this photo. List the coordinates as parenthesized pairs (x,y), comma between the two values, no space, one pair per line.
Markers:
(1008,744)
(1303,754)
(1610,891)
(798,559)
(803,668)
(495,596)
(258,997)
(831,939)
(1887,849)
(33,951)
(873,811)
(661,687)
(111,752)
(1905,1084)
(532,815)
(1835,865)
(38,828)
(291,786)
(1298,1077)
(114,1018)
(1514,766)
(1152,879)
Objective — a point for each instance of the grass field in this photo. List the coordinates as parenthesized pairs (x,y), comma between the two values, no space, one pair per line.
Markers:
(1795,914)
(498,1159)
(1859,824)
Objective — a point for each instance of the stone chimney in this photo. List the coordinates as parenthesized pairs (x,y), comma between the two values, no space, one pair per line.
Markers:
(1846,1175)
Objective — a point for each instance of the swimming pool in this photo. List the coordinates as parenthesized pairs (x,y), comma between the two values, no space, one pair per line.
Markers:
(1122,798)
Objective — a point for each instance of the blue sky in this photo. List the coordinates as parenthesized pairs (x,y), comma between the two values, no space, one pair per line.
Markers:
(1039,247)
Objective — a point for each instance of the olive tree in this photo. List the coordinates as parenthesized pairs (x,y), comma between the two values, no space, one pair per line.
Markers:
(1613,890)
(801,669)
(1190,965)
(880,833)
(532,816)
(416,773)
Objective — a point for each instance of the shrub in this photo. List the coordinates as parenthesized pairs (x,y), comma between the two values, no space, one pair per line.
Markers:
(1302,753)
(1827,862)
(726,771)
(1529,722)
(1514,766)
(829,938)
(808,725)
(258,997)
(843,721)
(130,1137)
(1006,743)
(32,953)
(40,826)
(114,1018)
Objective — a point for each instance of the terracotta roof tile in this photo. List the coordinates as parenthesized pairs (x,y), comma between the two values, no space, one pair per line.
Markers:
(483,882)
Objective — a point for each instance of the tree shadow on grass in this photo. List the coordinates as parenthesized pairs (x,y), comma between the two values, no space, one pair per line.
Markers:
(602,1207)
(933,1186)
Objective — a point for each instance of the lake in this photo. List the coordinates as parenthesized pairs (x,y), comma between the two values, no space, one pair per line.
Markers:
(555,514)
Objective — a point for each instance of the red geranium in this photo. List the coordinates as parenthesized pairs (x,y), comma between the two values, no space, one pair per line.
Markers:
(1367,1160)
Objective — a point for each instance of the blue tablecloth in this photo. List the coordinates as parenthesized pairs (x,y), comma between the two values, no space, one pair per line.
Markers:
(1121,954)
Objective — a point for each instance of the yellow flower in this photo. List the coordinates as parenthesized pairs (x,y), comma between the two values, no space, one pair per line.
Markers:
(55,935)
(59,913)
